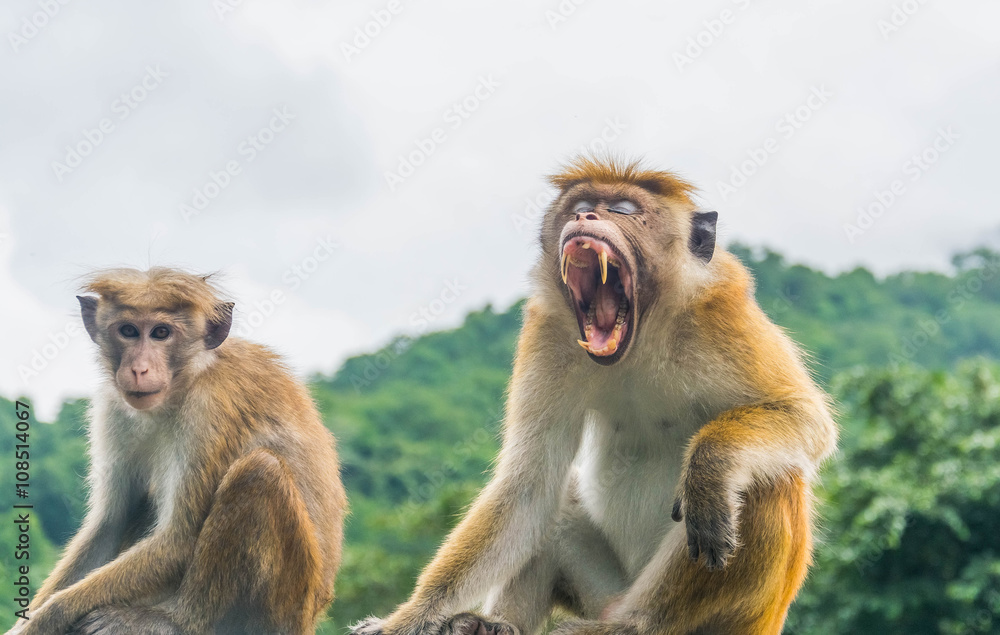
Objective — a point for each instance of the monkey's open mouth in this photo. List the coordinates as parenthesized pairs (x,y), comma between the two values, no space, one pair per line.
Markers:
(601,287)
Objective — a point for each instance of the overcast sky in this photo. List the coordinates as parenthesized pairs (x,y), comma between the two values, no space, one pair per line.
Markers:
(365,162)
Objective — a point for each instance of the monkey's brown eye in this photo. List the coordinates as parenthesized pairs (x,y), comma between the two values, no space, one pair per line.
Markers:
(128,330)
(160,333)
(623,207)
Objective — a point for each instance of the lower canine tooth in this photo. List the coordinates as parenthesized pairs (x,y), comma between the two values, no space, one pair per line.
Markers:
(585,345)
(563,267)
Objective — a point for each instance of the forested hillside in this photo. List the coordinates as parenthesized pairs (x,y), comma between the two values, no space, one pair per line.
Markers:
(910,507)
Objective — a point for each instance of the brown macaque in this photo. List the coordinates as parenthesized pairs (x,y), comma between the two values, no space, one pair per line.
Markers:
(216,504)
(660,441)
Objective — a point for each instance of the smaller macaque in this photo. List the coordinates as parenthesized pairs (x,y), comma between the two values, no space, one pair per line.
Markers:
(216,504)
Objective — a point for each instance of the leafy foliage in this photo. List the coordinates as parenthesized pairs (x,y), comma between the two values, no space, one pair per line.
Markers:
(912,507)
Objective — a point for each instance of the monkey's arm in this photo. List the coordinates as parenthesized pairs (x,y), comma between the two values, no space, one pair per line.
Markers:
(756,443)
(507,522)
(95,544)
(145,569)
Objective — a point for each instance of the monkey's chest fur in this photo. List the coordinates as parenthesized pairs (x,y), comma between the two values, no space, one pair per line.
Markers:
(628,466)
(148,459)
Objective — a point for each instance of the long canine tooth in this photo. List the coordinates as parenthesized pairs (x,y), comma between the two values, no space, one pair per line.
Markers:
(585,345)
(604,267)
(564,267)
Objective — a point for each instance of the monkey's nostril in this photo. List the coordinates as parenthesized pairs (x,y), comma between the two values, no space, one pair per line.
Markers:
(591,216)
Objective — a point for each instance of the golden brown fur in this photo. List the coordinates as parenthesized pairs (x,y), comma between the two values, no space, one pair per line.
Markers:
(157,288)
(618,172)
(215,507)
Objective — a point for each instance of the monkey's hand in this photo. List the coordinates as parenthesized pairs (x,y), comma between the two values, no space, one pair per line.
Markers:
(461,624)
(471,624)
(369,626)
(48,619)
(711,514)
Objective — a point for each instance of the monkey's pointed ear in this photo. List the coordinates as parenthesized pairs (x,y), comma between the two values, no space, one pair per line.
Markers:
(88,309)
(702,240)
(217,328)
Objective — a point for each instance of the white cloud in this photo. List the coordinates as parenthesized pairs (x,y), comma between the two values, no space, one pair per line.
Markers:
(454,217)
(45,348)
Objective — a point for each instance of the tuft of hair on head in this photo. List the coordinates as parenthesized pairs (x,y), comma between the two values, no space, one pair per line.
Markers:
(156,288)
(590,169)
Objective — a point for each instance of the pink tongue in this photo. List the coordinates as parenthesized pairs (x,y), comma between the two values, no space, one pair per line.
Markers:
(607,307)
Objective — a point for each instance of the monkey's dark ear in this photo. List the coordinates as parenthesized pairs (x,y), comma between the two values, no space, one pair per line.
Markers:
(88,309)
(217,329)
(702,240)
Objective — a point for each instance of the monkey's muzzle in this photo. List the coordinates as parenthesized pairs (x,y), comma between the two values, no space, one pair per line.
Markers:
(601,288)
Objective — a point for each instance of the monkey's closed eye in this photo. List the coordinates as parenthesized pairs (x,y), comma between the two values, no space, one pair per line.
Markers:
(160,332)
(623,207)
(583,207)
(128,330)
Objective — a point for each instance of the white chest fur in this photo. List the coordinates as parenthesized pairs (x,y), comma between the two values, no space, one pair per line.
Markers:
(147,453)
(630,461)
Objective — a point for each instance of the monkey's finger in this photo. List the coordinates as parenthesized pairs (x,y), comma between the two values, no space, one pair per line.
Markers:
(693,549)
(368,626)
(714,559)
(677,514)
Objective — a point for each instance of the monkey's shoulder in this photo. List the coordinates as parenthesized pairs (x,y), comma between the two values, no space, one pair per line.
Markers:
(244,372)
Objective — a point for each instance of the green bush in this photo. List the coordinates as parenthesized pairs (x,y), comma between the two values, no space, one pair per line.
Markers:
(911,508)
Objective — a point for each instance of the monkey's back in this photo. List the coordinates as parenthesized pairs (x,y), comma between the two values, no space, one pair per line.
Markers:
(265,406)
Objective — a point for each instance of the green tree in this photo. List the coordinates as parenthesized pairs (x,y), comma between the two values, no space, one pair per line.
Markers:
(910,538)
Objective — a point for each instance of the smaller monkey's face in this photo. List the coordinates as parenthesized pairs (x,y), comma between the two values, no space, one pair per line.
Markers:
(147,350)
(144,347)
